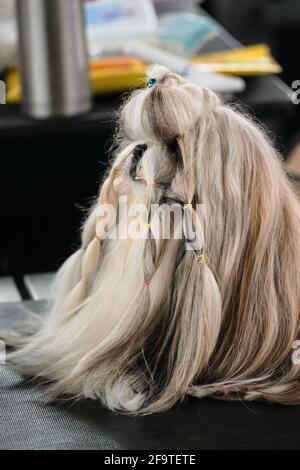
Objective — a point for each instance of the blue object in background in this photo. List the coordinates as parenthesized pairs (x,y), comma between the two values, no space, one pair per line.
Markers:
(184,33)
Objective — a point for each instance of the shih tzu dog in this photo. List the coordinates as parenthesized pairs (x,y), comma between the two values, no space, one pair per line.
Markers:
(213,308)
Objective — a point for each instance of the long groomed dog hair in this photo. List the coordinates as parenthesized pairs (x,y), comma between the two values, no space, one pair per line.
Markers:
(143,323)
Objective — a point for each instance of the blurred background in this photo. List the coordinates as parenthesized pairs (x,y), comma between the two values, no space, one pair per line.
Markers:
(66,65)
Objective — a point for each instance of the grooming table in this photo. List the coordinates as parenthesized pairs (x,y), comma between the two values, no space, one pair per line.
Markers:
(27,423)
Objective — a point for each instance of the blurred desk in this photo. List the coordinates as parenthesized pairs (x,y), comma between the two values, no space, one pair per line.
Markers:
(28,423)
(13,123)
(264,94)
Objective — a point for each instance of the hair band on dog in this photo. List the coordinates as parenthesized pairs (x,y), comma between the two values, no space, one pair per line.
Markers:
(146,282)
(151,82)
(188,206)
(201,259)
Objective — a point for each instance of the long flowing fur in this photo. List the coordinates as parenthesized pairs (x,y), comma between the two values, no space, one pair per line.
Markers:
(222,327)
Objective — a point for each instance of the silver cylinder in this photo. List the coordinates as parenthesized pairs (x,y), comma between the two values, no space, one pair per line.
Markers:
(53,58)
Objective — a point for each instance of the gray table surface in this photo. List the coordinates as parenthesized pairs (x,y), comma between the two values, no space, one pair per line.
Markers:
(26,422)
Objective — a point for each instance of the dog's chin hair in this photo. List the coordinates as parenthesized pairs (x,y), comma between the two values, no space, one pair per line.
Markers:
(141,324)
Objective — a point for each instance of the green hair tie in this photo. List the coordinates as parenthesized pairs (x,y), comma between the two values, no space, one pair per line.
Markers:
(151,82)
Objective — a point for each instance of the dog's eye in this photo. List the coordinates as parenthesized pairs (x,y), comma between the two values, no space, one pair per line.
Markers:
(174,151)
(137,154)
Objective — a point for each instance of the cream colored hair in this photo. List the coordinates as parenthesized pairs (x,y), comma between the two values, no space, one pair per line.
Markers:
(223,326)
